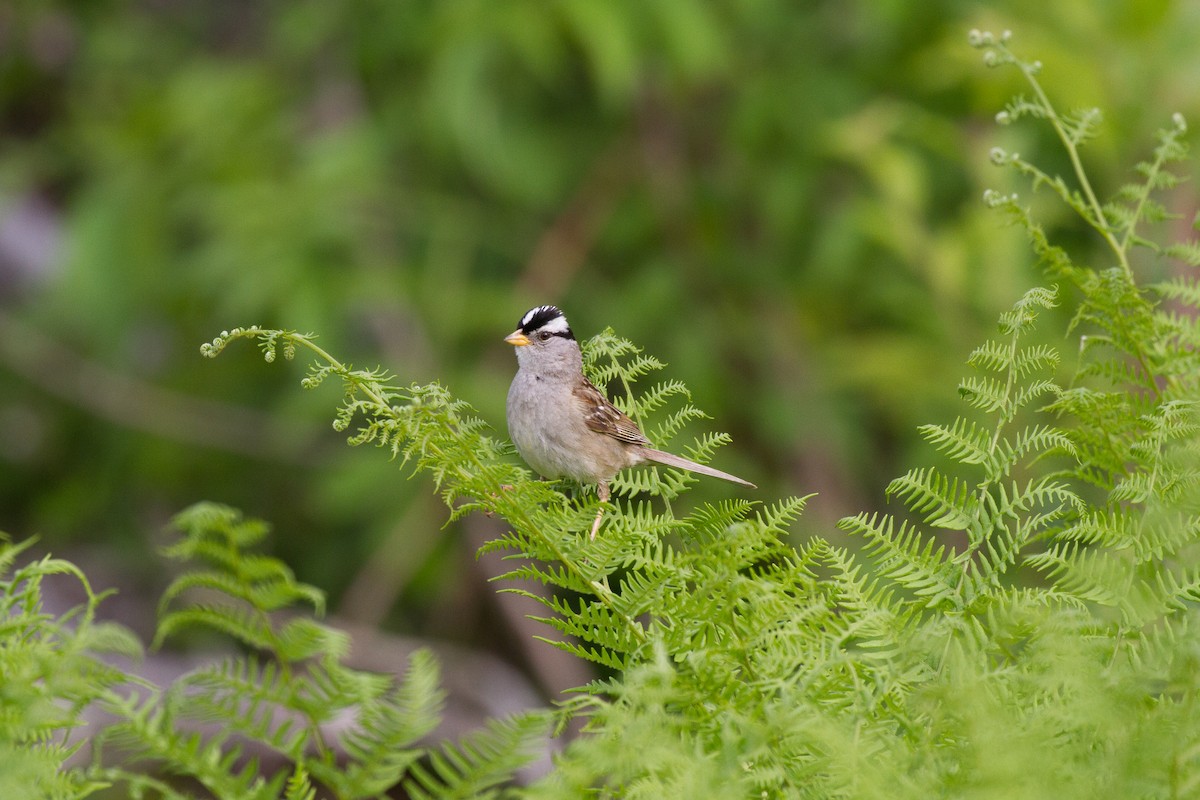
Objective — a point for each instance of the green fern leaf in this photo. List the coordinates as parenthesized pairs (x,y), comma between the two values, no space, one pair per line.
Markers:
(599,655)
(1187,252)
(986,394)
(1090,576)
(382,746)
(964,441)
(479,763)
(270,594)
(945,502)
(595,623)
(238,623)
(906,557)
(299,787)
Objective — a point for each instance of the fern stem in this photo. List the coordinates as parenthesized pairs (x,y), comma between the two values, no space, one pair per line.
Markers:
(1143,197)
(341,369)
(1006,413)
(1096,218)
(634,411)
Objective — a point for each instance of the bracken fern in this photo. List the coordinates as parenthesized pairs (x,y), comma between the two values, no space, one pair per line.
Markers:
(216,723)
(1020,622)
(52,668)
(1023,627)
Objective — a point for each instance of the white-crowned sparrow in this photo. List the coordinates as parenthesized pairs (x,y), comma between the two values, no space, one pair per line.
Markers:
(562,425)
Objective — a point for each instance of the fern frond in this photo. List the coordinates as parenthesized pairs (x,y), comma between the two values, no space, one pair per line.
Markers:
(1142,487)
(964,441)
(300,639)
(711,521)
(1089,575)
(271,594)
(1174,590)
(1021,318)
(244,695)
(10,550)
(546,574)
(1082,124)
(608,358)
(776,518)
(1108,423)
(1159,536)
(1033,390)
(382,746)
(944,501)
(299,787)
(1016,516)
(326,687)
(480,762)
(999,357)
(150,728)
(986,394)
(654,398)
(239,623)
(665,431)
(703,448)
(138,785)
(1111,528)
(657,481)
(258,585)
(203,523)
(872,619)
(907,557)
(602,626)
(598,655)
(1037,440)
(1187,252)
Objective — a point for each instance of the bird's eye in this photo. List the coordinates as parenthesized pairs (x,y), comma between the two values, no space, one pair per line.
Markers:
(544,335)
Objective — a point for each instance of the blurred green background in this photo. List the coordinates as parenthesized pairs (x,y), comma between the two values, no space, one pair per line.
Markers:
(780,199)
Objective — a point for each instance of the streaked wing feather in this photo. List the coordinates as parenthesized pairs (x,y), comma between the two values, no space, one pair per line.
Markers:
(602,416)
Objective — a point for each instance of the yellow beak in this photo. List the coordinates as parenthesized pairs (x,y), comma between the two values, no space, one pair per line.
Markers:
(517,339)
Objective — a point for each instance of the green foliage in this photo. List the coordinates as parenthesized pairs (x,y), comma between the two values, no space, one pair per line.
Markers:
(1021,622)
(218,723)
(370,169)
(1026,628)
(425,426)
(278,698)
(478,765)
(51,670)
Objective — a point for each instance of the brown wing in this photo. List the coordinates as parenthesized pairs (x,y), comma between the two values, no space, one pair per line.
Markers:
(603,417)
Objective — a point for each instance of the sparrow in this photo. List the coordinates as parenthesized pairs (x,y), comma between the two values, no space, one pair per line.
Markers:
(562,425)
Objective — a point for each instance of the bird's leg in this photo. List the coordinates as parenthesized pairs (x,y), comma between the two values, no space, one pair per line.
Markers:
(602,493)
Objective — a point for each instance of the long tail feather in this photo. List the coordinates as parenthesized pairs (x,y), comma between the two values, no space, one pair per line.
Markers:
(672,460)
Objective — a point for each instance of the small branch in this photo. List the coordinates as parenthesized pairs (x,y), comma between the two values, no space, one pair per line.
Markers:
(140,405)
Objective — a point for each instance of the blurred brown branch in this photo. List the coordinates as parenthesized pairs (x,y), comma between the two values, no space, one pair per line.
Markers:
(137,404)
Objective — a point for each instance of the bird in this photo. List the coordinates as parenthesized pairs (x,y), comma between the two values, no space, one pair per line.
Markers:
(562,425)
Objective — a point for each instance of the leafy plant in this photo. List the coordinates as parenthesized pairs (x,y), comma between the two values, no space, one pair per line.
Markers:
(279,699)
(1022,621)
(1026,647)
(52,668)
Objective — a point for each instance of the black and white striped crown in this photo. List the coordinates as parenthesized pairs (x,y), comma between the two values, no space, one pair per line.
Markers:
(546,318)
